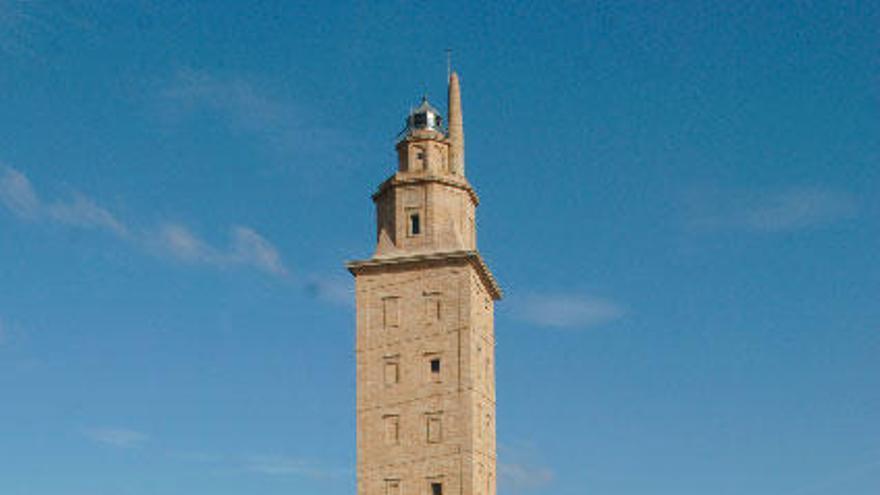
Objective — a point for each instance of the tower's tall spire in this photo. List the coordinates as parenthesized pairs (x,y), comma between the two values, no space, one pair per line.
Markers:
(456,127)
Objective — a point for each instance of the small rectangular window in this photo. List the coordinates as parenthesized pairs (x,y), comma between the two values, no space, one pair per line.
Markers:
(433,308)
(391,312)
(415,225)
(436,488)
(435,366)
(435,428)
(392,430)
(392,372)
(392,487)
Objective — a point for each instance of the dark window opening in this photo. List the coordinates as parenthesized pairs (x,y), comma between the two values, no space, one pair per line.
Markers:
(415,226)
(435,366)
(436,488)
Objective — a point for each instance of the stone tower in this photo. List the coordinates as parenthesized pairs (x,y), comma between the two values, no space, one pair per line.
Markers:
(425,328)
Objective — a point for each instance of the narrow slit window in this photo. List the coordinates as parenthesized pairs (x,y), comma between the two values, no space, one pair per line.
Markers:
(435,366)
(436,488)
(392,372)
(415,224)
(392,430)
(435,429)
(433,309)
(390,312)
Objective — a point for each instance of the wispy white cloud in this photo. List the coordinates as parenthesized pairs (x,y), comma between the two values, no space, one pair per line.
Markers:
(566,310)
(268,465)
(18,195)
(178,241)
(520,469)
(799,208)
(519,477)
(83,212)
(248,108)
(246,246)
(783,210)
(289,466)
(251,248)
(331,289)
(123,438)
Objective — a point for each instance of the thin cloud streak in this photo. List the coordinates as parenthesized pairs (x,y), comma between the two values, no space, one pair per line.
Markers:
(246,246)
(265,465)
(332,290)
(568,310)
(289,466)
(520,477)
(799,208)
(18,195)
(245,108)
(249,247)
(785,210)
(122,438)
(268,465)
(84,213)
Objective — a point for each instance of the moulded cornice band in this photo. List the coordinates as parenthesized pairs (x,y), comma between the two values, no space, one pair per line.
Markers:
(358,267)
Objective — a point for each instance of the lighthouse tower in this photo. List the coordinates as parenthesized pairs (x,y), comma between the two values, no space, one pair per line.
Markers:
(425,327)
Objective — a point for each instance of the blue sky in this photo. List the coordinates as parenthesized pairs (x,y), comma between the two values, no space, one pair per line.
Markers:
(679,198)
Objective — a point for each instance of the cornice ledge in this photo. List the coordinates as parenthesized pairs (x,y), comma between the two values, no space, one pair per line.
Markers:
(395,181)
(356,267)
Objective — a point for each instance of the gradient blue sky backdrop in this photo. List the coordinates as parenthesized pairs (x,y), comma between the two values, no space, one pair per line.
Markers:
(680,199)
